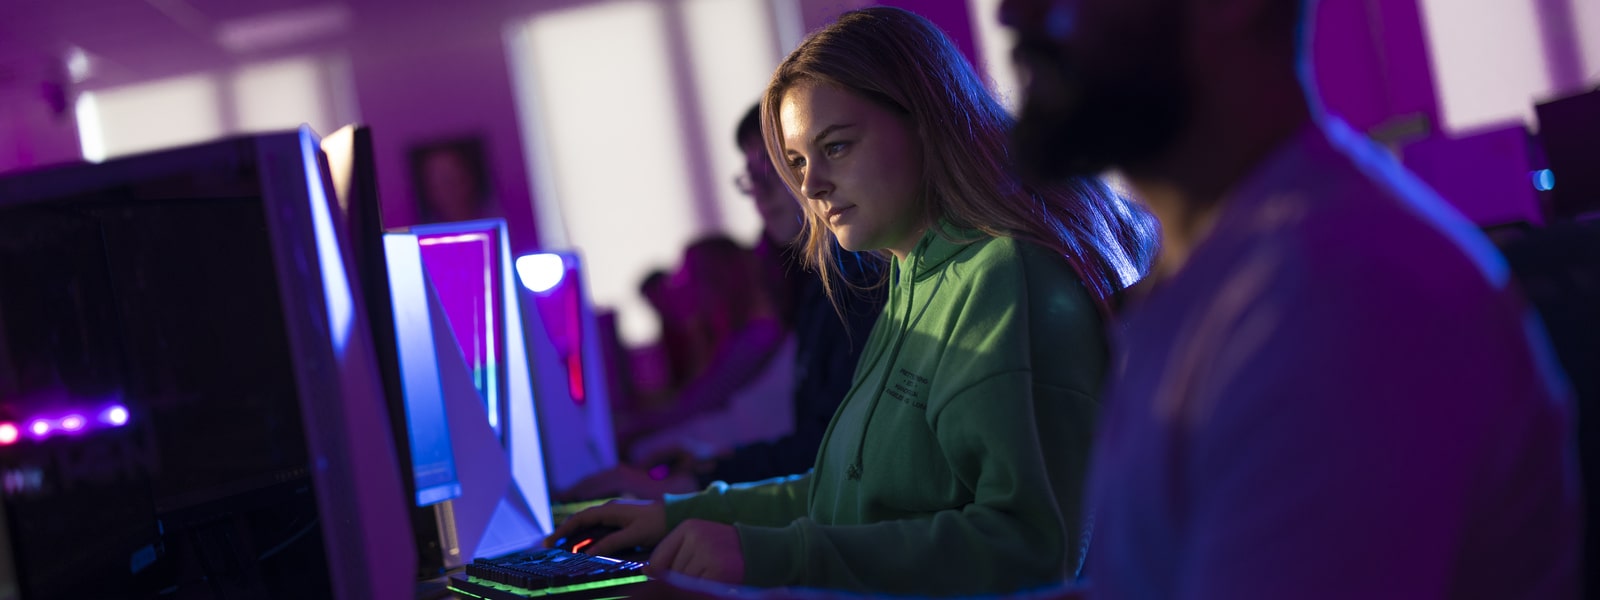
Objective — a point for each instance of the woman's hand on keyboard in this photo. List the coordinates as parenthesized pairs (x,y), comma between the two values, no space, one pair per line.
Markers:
(703,549)
(638,523)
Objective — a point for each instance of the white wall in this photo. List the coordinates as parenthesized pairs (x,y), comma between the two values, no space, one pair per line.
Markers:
(994,50)
(148,116)
(1586,18)
(188,109)
(732,52)
(628,109)
(1488,56)
(1490,59)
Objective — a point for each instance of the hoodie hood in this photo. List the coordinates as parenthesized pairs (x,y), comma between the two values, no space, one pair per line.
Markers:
(939,244)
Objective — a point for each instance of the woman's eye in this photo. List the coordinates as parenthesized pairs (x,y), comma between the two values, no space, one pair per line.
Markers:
(835,148)
(797,162)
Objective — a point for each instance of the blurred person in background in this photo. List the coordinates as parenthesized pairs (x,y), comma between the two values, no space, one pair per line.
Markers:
(659,367)
(1329,388)
(734,329)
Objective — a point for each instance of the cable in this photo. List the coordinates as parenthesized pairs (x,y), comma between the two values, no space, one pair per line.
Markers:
(292,539)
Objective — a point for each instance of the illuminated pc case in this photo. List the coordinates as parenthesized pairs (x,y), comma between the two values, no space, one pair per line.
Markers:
(189,402)
(512,329)
(449,339)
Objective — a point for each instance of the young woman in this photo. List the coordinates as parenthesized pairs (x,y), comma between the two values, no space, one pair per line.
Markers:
(956,463)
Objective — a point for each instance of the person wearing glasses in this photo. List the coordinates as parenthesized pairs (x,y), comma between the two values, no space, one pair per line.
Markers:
(827,342)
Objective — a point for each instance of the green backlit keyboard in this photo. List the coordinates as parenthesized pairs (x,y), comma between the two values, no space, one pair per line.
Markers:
(544,572)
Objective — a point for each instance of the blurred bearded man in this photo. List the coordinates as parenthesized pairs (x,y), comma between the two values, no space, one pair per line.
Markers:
(1328,386)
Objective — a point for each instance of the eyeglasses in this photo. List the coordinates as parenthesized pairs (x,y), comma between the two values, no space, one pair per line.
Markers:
(745,183)
(749,182)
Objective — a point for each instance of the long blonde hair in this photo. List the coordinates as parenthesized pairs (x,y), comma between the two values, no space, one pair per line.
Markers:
(906,64)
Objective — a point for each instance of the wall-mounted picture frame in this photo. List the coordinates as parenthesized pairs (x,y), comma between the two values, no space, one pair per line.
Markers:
(450,180)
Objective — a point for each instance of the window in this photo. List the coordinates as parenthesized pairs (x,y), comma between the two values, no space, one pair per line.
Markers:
(1490,59)
(148,116)
(628,109)
(994,50)
(196,108)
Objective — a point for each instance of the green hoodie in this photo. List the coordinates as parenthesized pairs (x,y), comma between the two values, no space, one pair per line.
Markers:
(956,464)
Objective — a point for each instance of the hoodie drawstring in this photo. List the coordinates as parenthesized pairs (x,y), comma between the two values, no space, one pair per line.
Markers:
(853,472)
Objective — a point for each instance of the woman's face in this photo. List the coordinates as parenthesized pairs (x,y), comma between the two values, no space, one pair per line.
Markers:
(859,166)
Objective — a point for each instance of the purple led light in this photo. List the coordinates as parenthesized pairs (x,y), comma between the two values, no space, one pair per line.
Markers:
(43,426)
(72,422)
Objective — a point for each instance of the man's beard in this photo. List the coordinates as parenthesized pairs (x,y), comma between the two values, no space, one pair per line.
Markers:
(1081,122)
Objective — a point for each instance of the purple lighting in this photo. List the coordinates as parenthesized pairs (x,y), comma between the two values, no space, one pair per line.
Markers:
(42,426)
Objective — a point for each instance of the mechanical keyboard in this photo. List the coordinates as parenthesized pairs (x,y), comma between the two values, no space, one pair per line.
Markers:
(543,572)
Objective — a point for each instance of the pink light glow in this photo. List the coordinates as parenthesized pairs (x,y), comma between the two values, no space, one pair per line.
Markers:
(8,434)
(453,239)
(40,427)
(72,423)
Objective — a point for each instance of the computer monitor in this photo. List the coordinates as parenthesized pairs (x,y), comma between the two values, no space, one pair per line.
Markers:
(195,409)
(1569,130)
(569,361)
(510,334)
(443,418)
(395,292)
(487,513)
(468,265)
(433,467)
(431,463)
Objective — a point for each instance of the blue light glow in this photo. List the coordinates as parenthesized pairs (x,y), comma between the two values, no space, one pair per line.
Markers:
(541,272)
(341,307)
(1544,180)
